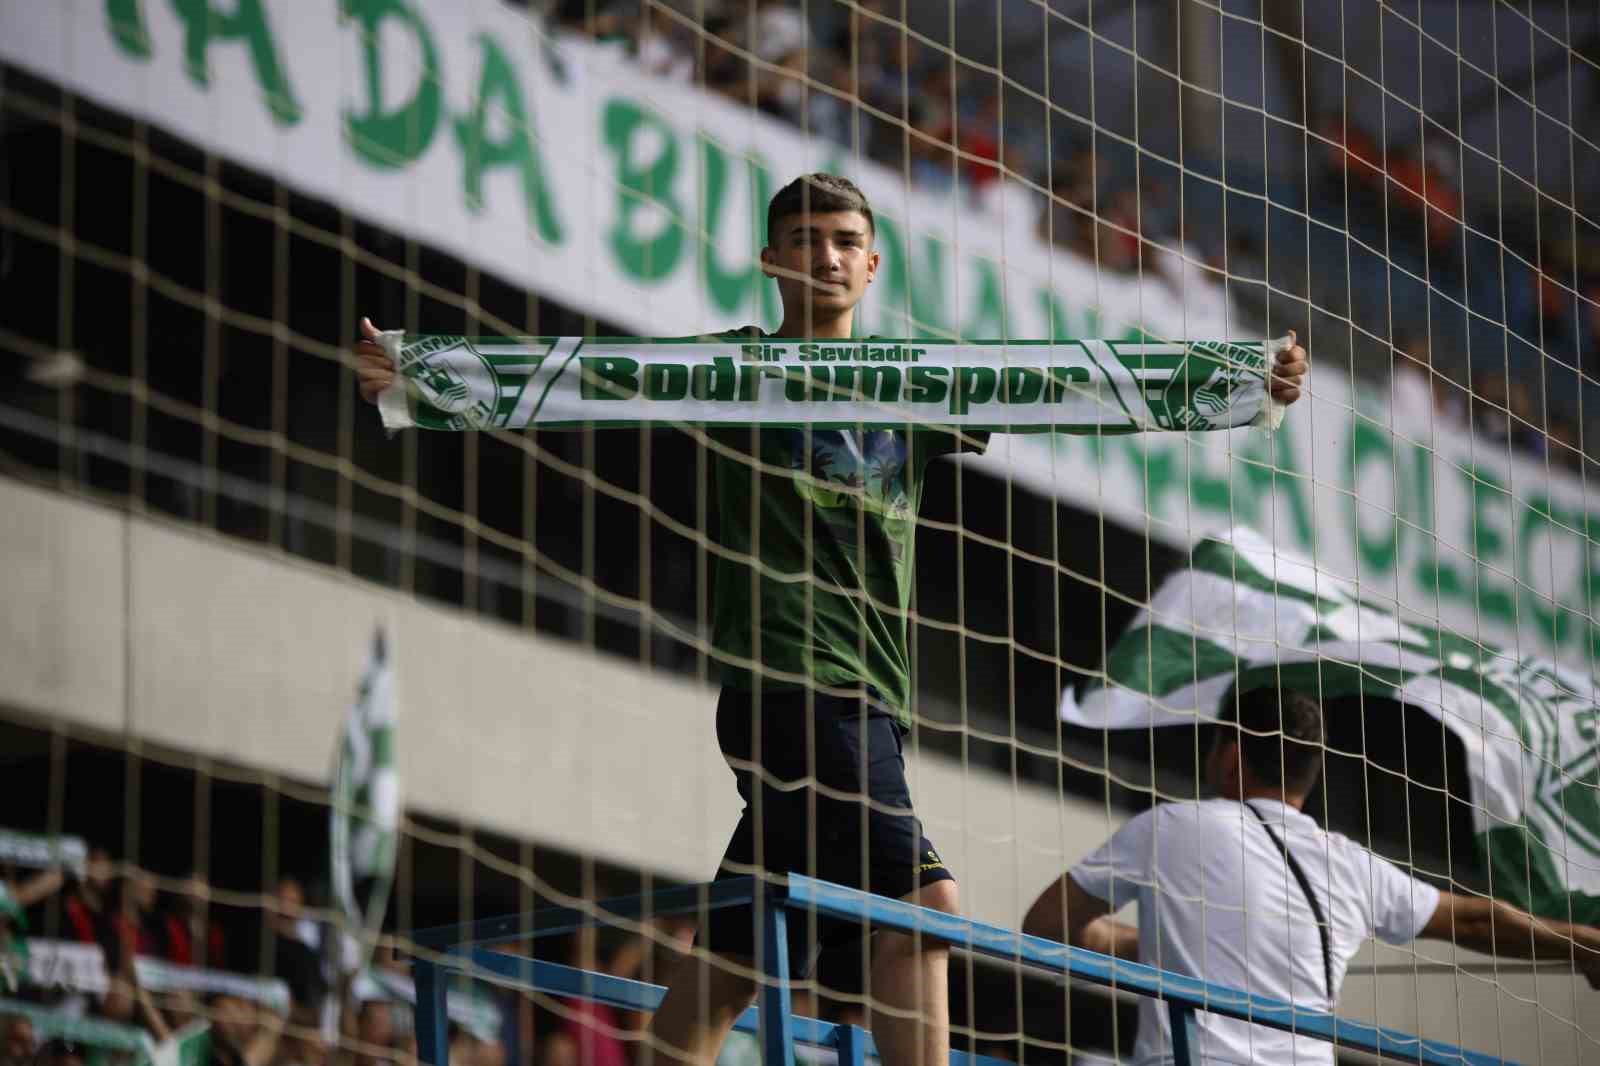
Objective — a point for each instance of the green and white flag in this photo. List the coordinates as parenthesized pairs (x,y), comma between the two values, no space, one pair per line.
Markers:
(1068,386)
(1244,612)
(364,825)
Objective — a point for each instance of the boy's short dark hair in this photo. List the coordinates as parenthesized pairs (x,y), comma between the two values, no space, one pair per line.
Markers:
(1280,735)
(818,193)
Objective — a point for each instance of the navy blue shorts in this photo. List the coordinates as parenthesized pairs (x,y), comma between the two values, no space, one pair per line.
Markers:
(851,747)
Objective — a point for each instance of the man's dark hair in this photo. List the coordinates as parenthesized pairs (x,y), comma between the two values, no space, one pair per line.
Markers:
(816,194)
(1280,736)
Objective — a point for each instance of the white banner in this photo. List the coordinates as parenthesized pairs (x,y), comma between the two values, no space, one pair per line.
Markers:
(1409,508)
(559,166)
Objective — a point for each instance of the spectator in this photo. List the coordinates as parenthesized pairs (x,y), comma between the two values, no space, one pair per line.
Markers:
(1566,447)
(191,937)
(294,959)
(1352,172)
(60,1052)
(301,1043)
(776,33)
(27,891)
(1068,221)
(88,901)
(1247,891)
(831,115)
(242,1033)
(665,48)
(932,163)
(1427,181)
(979,140)
(375,1032)
(16,1040)
(589,1033)
(1411,380)
(1117,235)
(136,927)
(1491,411)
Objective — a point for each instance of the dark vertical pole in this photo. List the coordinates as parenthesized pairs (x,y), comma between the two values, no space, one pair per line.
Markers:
(433,1027)
(851,1043)
(1185,1040)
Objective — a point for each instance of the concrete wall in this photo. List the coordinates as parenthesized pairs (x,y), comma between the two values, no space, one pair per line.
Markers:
(163,632)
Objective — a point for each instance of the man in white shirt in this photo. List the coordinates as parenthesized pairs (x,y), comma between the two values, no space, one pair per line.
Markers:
(1247,891)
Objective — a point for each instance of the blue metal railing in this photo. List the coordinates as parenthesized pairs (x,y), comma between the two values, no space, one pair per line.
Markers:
(461,948)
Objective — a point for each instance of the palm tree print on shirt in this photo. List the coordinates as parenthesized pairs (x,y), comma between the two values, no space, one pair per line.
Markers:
(867,466)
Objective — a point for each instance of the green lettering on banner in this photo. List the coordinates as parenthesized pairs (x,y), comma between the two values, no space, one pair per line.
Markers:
(927,384)
(125,19)
(989,316)
(1552,616)
(1263,483)
(1367,442)
(389,140)
(666,381)
(715,382)
(914,291)
(608,377)
(1486,539)
(974,384)
(1019,384)
(1425,573)
(1091,322)
(1056,315)
(203,24)
(652,258)
(794,383)
(499,87)
(1155,469)
(880,384)
(730,289)
(1207,491)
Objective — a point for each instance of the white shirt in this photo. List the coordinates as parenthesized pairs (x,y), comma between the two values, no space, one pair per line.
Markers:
(1217,901)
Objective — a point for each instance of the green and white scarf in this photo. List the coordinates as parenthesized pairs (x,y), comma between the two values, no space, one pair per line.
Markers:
(189,1046)
(1068,386)
(82,968)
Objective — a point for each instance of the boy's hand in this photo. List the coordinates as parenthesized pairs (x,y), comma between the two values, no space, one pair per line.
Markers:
(374,368)
(1288,375)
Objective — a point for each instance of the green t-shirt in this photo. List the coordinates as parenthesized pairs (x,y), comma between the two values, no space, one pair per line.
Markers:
(841,506)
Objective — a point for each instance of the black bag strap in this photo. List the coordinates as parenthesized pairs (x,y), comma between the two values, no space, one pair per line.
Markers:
(1311,898)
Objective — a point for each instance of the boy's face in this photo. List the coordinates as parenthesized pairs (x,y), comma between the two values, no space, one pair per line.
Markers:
(824,259)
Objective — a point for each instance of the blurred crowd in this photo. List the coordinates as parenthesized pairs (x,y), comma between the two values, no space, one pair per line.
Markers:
(861,81)
(53,1013)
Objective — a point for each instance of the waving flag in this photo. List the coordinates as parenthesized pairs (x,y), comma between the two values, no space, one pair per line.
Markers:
(1243,612)
(365,810)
